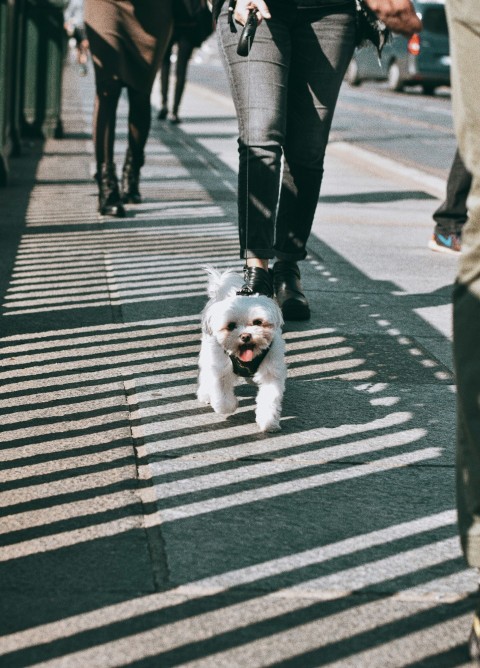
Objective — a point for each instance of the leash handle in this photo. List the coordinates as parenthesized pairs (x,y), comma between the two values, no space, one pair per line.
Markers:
(248,34)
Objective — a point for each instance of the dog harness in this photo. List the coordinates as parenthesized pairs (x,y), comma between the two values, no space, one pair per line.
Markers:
(248,369)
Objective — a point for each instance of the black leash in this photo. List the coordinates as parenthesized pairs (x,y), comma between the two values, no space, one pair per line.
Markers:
(246,369)
(243,49)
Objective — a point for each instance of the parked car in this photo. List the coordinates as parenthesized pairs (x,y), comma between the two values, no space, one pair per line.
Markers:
(423,59)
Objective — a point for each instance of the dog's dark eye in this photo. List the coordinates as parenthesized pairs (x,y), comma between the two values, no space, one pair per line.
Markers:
(231,326)
(258,322)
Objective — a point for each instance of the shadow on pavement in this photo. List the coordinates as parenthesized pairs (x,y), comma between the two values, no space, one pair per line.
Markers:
(142,529)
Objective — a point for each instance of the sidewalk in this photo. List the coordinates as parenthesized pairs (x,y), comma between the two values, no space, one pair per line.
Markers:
(141,529)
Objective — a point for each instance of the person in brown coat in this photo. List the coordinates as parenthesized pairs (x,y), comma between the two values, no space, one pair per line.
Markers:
(127,41)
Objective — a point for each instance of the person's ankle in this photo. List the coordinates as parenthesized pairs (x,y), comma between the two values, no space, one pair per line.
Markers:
(257,262)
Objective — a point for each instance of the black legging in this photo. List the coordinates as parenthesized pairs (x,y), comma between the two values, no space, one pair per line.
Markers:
(105,116)
(184,53)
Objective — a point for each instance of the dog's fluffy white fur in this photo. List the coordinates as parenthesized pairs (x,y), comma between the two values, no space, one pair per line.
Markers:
(242,327)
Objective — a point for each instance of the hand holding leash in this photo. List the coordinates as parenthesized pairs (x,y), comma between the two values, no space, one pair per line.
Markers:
(248,34)
(239,11)
(398,15)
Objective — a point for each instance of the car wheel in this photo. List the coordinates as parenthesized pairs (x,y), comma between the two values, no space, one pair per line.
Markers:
(394,77)
(428,89)
(352,74)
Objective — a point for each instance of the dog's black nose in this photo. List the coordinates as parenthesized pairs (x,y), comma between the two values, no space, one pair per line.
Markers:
(246,338)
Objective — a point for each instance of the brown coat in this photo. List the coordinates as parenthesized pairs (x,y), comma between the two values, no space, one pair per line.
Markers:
(128,39)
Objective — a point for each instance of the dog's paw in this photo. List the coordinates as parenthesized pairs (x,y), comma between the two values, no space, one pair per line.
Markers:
(268,425)
(203,396)
(226,406)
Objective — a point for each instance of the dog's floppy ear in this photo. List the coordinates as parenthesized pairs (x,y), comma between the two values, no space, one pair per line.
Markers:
(278,317)
(274,313)
(207,320)
(206,327)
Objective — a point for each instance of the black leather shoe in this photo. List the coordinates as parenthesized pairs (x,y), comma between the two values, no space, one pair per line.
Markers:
(257,281)
(109,202)
(289,291)
(131,179)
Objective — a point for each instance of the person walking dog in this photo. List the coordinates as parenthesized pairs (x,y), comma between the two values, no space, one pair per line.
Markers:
(285,94)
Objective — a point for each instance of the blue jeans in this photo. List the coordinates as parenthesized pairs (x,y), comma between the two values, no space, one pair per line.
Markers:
(285,94)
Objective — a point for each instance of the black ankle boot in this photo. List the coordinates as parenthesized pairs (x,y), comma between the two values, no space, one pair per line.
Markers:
(257,281)
(130,179)
(289,292)
(109,202)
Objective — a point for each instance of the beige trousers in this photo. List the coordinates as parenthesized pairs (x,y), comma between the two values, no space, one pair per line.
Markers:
(464,27)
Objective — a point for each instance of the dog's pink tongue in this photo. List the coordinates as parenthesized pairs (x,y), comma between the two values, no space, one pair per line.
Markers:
(246,355)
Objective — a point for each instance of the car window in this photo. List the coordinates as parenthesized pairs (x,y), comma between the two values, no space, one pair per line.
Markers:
(435,20)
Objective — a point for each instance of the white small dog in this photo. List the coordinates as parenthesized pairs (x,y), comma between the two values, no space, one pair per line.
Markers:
(241,336)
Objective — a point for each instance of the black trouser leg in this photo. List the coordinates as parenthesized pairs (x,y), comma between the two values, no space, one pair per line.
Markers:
(184,53)
(452,213)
